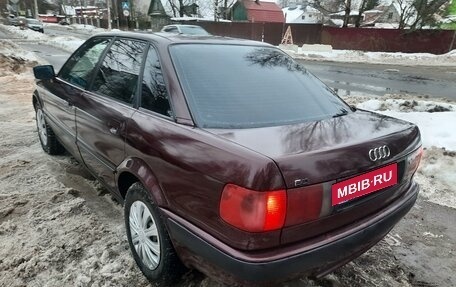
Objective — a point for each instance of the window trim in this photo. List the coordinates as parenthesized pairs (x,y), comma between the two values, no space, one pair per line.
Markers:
(100,62)
(190,110)
(83,46)
(165,80)
(189,107)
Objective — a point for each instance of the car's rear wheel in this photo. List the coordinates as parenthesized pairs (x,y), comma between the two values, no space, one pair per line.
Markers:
(48,140)
(148,238)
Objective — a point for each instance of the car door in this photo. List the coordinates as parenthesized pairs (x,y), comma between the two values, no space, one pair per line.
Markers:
(59,95)
(105,107)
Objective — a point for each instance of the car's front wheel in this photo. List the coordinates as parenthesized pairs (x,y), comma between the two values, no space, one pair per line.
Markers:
(48,140)
(148,238)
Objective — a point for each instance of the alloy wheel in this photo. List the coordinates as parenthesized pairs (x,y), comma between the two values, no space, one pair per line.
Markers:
(41,124)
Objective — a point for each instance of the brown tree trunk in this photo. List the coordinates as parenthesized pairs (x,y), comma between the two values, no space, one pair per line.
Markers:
(347,13)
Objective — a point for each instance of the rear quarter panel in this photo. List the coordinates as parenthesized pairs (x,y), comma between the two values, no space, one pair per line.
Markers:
(192,167)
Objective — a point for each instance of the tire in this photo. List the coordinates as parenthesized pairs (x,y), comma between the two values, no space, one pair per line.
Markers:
(48,140)
(160,263)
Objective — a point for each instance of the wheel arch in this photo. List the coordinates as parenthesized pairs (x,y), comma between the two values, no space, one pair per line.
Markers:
(133,170)
(36,99)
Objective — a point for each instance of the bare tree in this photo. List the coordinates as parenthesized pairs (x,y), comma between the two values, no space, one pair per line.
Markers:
(406,12)
(334,6)
(177,7)
(347,10)
(426,11)
(227,4)
(418,13)
(363,7)
(329,6)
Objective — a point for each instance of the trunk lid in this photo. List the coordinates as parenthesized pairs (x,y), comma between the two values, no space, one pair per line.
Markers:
(330,149)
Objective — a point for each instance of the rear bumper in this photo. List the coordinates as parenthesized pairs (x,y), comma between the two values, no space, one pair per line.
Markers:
(199,249)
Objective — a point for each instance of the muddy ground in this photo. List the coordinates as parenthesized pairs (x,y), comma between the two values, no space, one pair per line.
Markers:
(59,227)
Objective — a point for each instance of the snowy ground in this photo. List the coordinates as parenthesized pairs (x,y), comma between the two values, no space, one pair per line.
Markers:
(436,119)
(70,43)
(352,56)
(58,227)
(67,43)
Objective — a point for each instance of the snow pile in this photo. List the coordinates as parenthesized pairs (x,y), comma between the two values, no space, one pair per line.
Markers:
(12,54)
(436,119)
(68,43)
(354,56)
(86,29)
(437,176)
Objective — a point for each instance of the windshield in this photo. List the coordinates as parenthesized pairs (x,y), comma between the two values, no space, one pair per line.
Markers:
(231,86)
(193,30)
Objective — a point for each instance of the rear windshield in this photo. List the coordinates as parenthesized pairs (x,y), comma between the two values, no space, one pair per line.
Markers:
(193,30)
(232,86)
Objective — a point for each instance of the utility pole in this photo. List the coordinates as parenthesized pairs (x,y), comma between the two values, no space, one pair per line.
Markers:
(108,5)
(35,2)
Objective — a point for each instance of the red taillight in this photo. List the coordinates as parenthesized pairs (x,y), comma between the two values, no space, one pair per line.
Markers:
(413,161)
(253,211)
(304,204)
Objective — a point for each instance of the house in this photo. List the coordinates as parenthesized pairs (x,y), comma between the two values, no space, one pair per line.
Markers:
(390,15)
(303,14)
(158,16)
(336,17)
(191,10)
(372,16)
(395,10)
(257,11)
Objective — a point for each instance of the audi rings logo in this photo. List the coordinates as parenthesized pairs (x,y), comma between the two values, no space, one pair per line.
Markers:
(378,153)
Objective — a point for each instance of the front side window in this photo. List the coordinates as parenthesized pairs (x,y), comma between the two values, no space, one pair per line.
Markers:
(154,96)
(235,86)
(80,68)
(118,74)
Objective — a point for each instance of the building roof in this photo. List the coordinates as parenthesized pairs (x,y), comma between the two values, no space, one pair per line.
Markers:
(258,11)
(294,14)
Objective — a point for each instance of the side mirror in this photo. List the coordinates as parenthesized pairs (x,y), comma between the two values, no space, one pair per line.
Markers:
(44,72)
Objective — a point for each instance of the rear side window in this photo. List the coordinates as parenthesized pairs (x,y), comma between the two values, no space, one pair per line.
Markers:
(233,86)
(80,68)
(118,74)
(154,96)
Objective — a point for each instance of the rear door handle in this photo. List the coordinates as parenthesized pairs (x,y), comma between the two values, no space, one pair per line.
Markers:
(115,127)
(114,130)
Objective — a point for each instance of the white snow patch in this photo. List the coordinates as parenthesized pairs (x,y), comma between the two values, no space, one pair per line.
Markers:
(396,58)
(435,119)
(437,172)
(10,49)
(68,43)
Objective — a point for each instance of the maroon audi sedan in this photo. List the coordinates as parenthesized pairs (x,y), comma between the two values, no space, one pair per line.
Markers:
(229,157)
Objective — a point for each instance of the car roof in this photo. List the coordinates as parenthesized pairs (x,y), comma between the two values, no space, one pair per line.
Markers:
(169,39)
